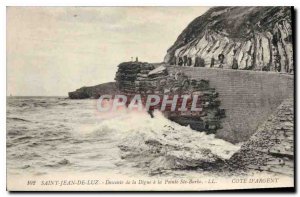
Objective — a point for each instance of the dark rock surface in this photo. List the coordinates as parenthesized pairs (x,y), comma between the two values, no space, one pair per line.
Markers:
(129,72)
(94,91)
(252,38)
(144,79)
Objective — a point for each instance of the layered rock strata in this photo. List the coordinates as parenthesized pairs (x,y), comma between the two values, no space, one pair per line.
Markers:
(129,72)
(251,38)
(132,78)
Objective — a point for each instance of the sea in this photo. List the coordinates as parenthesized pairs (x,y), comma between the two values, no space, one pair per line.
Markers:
(55,135)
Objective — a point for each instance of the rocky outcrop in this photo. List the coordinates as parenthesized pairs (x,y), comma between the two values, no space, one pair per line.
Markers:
(271,148)
(94,91)
(252,38)
(130,72)
(144,79)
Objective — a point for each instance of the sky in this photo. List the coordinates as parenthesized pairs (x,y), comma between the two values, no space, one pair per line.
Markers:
(54,50)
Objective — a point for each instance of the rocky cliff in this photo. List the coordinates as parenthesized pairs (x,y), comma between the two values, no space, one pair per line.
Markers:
(252,38)
(94,91)
(146,79)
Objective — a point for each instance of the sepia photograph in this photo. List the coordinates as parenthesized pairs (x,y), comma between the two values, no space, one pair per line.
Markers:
(160,98)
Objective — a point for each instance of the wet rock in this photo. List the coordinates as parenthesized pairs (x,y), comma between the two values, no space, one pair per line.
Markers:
(144,79)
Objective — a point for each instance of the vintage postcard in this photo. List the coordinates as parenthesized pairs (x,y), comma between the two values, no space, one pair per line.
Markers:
(150,98)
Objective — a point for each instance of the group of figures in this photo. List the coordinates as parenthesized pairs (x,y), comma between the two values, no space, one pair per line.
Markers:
(219,62)
(200,62)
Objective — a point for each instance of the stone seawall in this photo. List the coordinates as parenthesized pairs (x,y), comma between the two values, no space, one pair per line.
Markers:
(271,148)
(248,97)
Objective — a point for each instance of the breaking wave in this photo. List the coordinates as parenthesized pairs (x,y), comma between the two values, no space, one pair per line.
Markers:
(158,144)
(71,135)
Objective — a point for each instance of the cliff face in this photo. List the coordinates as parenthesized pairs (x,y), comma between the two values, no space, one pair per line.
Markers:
(94,91)
(253,38)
